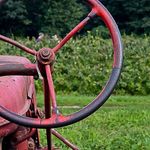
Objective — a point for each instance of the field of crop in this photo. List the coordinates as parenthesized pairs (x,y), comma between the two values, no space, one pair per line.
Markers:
(123,123)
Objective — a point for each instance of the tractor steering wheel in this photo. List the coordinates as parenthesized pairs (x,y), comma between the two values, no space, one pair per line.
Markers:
(45,57)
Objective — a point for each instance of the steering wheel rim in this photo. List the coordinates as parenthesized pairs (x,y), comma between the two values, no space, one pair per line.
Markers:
(58,120)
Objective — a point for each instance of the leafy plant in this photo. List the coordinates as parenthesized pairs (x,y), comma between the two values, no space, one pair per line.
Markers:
(83,65)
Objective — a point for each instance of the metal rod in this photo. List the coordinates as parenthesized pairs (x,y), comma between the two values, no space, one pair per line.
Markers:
(28,135)
(17,69)
(65,141)
(47,111)
(72,33)
(24,48)
(51,88)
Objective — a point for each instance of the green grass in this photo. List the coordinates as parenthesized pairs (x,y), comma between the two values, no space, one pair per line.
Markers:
(122,123)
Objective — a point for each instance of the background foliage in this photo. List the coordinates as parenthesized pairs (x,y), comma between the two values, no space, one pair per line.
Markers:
(131,16)
(23,17)
(84,64)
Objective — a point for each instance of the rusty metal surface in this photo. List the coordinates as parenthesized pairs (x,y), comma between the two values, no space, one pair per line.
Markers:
(31,144)
(45,56)
(22,134)
(7,129)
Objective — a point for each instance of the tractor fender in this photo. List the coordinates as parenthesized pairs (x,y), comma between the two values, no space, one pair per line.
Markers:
(15,91)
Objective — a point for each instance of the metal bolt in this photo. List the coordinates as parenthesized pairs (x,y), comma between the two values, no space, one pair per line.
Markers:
(31,144)
(46,53)
(45,56)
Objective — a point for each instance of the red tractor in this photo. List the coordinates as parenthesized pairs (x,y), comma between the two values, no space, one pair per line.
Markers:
(20,117)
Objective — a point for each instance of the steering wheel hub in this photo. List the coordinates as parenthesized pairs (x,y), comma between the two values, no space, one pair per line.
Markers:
(45,56)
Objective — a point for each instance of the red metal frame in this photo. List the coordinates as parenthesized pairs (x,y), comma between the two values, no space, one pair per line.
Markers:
(45,58)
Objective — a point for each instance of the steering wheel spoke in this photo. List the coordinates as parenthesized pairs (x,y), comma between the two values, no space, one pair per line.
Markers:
(20,46)
(51,89)
(73,32)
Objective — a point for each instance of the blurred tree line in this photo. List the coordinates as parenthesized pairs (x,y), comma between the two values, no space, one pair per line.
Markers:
(23,17)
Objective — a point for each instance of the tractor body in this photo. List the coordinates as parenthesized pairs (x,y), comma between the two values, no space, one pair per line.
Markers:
(16,95)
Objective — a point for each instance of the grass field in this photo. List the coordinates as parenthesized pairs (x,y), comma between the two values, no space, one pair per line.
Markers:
(122,123)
